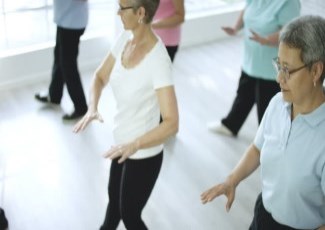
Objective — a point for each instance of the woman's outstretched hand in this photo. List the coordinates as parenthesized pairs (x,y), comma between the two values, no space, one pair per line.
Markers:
(229,30)
(86,119)
(226,188)
(258,38)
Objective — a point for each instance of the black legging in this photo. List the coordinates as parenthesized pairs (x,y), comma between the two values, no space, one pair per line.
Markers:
(172,50)
(250,91)
(129,188)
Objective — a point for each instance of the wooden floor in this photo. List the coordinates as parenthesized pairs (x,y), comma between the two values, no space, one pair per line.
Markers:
(51,178)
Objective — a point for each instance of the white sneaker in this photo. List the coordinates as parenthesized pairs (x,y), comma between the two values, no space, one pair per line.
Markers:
(218,127)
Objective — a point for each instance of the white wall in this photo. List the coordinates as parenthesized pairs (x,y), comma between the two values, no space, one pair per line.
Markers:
(35,65)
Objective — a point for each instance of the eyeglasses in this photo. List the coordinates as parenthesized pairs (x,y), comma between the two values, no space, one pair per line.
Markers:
(121,8)
(284,70)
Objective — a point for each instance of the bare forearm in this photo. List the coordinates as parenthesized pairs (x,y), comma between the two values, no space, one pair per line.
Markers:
(158,135)
(273,39)
(321,227)
(246,166)
(169,22)
(240,22)
(95,92)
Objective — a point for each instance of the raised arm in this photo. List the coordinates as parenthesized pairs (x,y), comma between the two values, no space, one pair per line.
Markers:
(100,79)
(270,40)
(176,19)
(247,165)
(238,26)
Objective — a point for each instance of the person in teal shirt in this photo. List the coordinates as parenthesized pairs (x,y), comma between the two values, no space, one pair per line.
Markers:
(261,21)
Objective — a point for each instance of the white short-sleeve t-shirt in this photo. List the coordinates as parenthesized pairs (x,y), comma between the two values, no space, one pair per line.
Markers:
(135,92)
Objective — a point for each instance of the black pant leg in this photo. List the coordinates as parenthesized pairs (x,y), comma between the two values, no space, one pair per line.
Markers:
(113,213)
(172,50)
(139,178)
(57,82)
(263,220)
(265,90)
(69,49)
(3,220)
(242,105)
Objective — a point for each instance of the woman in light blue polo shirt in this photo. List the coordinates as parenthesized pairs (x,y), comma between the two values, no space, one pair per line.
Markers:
(261,21)
(289,144)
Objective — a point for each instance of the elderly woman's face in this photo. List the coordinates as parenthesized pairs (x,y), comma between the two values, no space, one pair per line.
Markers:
(293,76)
(128,17)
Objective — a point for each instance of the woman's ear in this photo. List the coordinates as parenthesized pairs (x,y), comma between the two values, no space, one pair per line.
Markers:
(141,13)
(317,70)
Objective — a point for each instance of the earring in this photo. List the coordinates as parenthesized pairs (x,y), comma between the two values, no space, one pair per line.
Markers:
(140,21)
(314,83)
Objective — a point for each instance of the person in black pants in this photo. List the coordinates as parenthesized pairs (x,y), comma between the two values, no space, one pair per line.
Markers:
(167,23)
(251,90)
(257,84)
(139,71)
(65,67)
(3,220)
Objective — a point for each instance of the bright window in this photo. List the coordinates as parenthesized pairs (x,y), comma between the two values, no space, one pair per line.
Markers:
(26,23)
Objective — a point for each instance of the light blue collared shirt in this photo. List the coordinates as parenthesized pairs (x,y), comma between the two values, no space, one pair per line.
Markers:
(265,17)
(71,14)
(293,164)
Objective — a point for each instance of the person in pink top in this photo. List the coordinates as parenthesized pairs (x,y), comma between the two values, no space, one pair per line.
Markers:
(167,24)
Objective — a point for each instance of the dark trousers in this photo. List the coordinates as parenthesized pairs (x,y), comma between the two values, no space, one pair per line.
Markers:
(172,50)
(129,188)
(3,220)
(263,220)
(250,91)
(65,68)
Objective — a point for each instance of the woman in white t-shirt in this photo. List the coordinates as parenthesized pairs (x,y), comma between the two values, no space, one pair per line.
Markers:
(138,69)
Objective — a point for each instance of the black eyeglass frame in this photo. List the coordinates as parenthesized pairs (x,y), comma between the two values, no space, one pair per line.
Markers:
(285,69)
(121,8)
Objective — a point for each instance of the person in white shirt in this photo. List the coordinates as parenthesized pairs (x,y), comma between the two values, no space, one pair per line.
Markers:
(289,144)
(138,69)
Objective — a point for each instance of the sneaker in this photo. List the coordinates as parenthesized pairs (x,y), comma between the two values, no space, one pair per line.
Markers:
(44,98)
(218,127)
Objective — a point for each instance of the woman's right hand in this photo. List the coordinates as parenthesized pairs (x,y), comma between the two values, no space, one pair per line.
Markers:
(229,30)
(86,119)
(226,188)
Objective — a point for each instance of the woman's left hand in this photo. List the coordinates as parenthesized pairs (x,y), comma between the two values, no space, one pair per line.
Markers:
(123,151)
(258,38)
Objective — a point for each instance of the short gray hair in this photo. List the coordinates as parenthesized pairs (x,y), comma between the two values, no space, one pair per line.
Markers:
(306,33)
(149,5)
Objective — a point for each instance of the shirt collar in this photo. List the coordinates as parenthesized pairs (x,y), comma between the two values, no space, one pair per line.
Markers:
(316,116)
